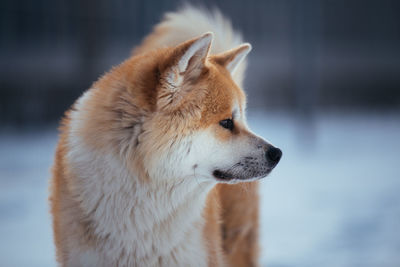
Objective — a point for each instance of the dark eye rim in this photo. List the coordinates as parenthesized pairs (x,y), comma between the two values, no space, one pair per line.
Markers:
(227,124)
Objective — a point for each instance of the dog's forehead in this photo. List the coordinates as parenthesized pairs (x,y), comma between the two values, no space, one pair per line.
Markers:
(223,99)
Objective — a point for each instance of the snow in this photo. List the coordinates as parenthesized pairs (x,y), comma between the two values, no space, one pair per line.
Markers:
(332,200)
(25,225)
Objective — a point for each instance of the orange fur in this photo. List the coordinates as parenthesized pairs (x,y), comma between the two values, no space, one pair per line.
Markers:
(123,99)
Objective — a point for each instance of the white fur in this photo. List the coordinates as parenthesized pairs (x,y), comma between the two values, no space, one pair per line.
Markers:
(190,22)
(146,224)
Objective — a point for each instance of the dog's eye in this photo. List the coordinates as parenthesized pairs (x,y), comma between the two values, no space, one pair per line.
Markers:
(227,124)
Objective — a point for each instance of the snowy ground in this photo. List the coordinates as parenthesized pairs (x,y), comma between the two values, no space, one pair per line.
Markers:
(332,201)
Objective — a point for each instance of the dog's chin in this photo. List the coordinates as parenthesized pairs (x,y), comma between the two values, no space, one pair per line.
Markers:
(228,177)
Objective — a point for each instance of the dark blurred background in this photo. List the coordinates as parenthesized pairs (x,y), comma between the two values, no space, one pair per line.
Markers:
(307,54)
(323,84)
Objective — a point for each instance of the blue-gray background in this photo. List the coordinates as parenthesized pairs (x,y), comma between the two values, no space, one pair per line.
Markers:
(323,84)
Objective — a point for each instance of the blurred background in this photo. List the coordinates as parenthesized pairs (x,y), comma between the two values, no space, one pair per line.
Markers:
(323,84)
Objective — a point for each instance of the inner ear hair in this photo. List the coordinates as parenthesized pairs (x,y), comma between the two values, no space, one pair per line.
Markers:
(195,52)
(186,62)
(189,58)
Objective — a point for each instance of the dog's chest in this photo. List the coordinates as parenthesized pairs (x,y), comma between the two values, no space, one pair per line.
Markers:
(175,241)
(173,234)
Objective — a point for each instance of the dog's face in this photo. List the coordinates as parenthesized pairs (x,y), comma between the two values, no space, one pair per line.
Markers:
(207,136)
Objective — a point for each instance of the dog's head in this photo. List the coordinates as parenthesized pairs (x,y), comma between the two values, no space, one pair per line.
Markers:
(199,126)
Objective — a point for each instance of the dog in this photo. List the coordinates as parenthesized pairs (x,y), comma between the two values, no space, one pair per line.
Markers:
(155,164)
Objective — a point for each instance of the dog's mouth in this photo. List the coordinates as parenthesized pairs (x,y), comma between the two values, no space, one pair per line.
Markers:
(226,176)
(220,175)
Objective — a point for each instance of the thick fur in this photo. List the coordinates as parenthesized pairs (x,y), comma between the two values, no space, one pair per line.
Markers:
(135,175)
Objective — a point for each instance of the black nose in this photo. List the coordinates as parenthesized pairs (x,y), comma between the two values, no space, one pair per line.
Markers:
(274,154)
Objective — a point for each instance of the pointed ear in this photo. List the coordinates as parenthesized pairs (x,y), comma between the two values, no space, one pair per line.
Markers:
(189,58)
(186,62)
(231,59)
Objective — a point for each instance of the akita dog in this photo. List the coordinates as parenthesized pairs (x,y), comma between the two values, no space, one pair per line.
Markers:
(150,160)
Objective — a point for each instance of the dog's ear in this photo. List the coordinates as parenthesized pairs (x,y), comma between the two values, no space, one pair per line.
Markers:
(185,63)
(188,59)
(231,59)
